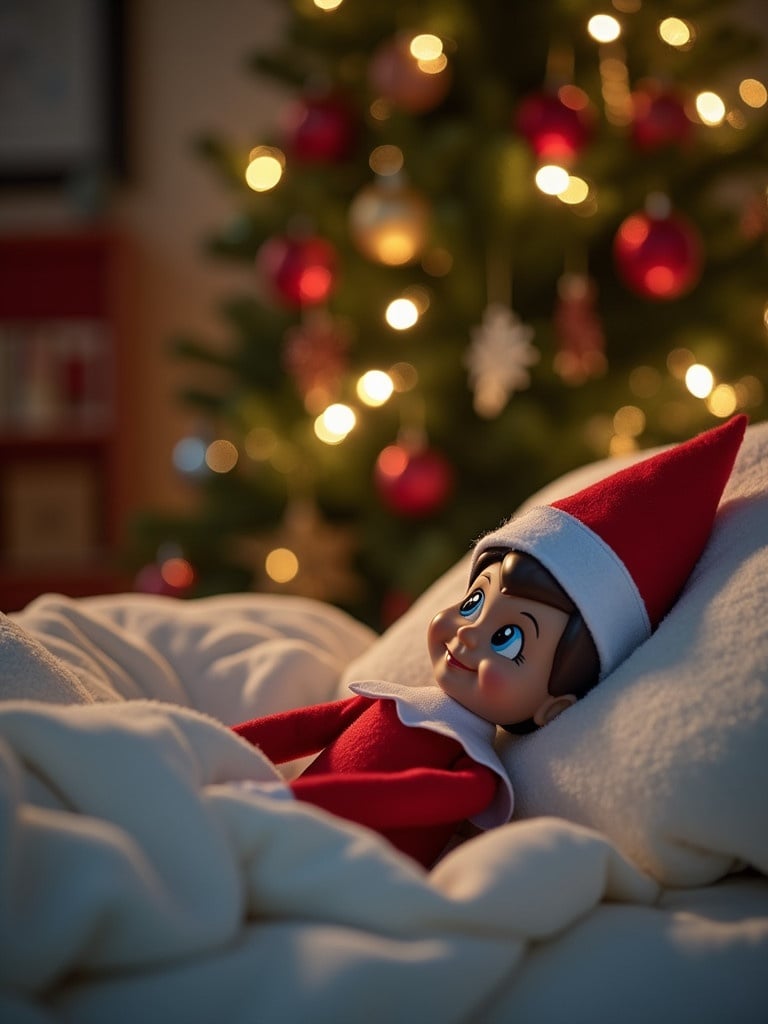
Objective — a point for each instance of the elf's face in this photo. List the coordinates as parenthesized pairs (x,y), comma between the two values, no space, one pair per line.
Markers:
(493,653)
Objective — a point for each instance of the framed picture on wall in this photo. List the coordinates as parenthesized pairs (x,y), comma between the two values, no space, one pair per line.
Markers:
(61,89)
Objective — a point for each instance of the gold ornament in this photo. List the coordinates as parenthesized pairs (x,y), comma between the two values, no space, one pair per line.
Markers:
(389,222)
(305,555)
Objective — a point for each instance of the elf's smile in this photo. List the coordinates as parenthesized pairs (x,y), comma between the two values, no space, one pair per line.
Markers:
(452,660)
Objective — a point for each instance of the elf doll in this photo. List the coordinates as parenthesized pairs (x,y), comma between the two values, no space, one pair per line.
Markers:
(557,598)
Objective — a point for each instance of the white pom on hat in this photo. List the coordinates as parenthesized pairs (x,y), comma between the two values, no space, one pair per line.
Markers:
(623,548)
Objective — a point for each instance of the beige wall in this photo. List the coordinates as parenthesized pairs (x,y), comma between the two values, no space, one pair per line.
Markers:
(186,76)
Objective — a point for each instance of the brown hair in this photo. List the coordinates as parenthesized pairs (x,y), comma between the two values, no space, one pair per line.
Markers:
(576,665)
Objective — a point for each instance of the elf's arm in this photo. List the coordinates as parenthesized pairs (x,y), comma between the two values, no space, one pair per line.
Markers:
(288,735)
(417,796)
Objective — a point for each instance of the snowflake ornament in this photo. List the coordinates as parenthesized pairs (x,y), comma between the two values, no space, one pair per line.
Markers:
(498,359)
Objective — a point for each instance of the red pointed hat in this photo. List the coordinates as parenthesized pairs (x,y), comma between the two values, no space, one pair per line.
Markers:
(623,548)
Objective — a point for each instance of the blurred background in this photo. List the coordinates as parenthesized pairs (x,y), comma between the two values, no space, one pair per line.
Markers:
(303,296)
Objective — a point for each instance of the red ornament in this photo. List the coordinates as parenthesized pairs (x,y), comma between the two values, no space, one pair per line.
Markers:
(320,129)
(315,355)
(413,483)
(658,257)
(578,330)
(557,125)
(301,271)
(396,75)
(659,118)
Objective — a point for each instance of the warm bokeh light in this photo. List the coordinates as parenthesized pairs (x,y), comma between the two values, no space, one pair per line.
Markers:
(265,168)
(676,32)
(736,119)
(392,461)
(221,456)
(401,314)
(604,28)
(419,296)
(575,192)
(552,180)
(629,421)
(380,109)
(386,160)
(335,423)
(375,387)
(426,47)
(699,380)
(710,108)
(753,92)
(260,444)
(281,565)
(679,361)
(622,444)
(722,402)
(328,5)
(404,376)
(177,573)
(573,97)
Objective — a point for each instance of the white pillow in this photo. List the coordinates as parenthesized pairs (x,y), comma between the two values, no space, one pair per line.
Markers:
(668,756)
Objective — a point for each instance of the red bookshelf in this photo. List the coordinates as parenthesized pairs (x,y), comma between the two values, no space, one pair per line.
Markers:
(63,465)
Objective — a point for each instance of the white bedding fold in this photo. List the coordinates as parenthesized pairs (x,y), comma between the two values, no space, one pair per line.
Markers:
(129,843)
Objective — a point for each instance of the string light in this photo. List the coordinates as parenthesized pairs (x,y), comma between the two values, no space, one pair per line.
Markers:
(710,108)
(375,387)
(575,192)
(426,47)
(676,32)
(281,565)
(427,51)
(604,28)
(552,180)
(629,420)
(260,444)
(404,376)
(334,424)
(177,573)
(265,168)
(722,402)
(699,380)
(753,93)
(221,456)
(386,160)
(679,362)
(401,314)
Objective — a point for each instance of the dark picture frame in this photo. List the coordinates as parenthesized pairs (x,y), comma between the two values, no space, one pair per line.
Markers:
(62,90)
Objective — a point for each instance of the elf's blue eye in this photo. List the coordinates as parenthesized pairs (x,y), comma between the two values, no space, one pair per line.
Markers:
(508,642)
(472,604)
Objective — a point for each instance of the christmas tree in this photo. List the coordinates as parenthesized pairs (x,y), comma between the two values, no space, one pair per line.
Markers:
(490,242)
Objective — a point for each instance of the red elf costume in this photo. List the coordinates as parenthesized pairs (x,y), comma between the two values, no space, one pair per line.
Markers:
(414,763)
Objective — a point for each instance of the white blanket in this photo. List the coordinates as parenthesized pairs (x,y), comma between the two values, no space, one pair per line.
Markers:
(146,875)
(141,874)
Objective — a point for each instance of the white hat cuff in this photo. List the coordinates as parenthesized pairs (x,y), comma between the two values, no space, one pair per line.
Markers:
(589,571)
